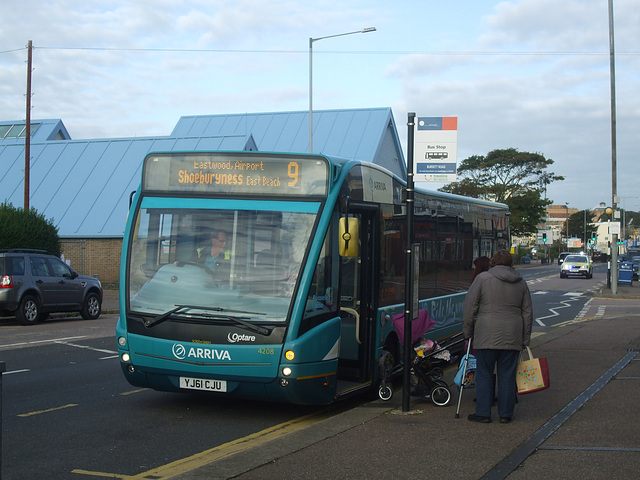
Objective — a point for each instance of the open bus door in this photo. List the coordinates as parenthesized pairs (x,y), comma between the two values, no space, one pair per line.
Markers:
(357,300)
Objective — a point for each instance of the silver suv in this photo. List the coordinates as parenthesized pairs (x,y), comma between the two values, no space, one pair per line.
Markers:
(34,284)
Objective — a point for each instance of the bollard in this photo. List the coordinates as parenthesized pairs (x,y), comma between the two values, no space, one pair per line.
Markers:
(3,369)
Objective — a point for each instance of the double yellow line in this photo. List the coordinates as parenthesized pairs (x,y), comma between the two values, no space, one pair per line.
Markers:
(228,449)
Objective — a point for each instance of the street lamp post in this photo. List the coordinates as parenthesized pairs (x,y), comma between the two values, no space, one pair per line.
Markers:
(624,212)
(566,206)
(614,161)
(311,40)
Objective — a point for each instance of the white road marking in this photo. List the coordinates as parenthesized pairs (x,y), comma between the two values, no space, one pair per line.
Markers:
(87,347)
(24,370)
(35,342)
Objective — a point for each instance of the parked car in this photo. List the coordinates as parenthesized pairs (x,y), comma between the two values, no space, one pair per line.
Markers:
(636,266)
(34,284)
(562,256)
(576,265)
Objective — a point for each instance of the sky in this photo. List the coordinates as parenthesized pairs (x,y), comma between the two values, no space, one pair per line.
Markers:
(527,74)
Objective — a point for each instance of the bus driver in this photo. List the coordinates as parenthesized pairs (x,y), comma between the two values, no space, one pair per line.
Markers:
(215,254)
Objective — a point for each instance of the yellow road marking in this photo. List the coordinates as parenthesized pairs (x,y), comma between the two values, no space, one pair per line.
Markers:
(187,464)
(133,391)
(104,475)
(30,414)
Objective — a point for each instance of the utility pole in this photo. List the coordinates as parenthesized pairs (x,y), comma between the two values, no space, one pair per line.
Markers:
(27,133)
(614,174)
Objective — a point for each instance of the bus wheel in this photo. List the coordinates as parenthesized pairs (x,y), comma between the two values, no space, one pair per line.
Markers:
(385,392)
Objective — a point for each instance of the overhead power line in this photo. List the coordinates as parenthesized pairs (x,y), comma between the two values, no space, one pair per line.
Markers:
(332,52)
(338,52)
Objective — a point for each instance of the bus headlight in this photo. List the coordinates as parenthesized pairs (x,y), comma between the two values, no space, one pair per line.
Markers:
(125,357)
(122,341)
(286,371)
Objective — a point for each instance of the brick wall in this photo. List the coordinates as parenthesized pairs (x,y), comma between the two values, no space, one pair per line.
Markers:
(95,257)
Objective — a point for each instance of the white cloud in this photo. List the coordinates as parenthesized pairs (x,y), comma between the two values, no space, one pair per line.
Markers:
(529,74)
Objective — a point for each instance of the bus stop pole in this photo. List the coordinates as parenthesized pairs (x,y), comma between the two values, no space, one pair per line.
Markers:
(3,369)
(408,287)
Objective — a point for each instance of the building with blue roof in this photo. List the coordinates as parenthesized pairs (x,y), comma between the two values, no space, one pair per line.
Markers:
(84,186)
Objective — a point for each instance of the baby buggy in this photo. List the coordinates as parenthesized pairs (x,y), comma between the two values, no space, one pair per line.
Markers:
(428,359)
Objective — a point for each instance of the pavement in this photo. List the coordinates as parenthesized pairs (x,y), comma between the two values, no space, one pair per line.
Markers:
(110,303)
(584,426)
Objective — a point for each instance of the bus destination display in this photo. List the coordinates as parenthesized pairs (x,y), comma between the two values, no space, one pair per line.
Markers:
(235,173)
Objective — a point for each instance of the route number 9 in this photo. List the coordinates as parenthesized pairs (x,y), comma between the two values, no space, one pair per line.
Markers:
(293,173)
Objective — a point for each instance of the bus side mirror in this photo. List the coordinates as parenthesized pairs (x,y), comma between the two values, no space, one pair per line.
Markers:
(349,237)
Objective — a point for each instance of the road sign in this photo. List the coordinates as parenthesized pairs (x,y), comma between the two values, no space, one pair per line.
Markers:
(436,146)
(614,228)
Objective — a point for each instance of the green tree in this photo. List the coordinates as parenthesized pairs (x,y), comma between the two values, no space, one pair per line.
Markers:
(512,177)
(580,222)
(527,209)
(22,229)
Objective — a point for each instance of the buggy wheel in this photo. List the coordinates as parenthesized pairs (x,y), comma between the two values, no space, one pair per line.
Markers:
(436,373)
(440,394)
(385,392)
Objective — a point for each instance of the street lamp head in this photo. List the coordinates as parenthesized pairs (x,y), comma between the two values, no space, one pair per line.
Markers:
(311,40)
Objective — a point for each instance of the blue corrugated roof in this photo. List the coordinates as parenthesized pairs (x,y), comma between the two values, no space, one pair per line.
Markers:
(354,133)
(84,185)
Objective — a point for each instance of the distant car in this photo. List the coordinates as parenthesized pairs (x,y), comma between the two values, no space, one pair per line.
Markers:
(562,256)
(34,284)
(636,266)
(598,256)
(576,265)
(633,252)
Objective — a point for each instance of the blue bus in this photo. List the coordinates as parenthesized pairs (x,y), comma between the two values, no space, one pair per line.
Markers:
(276,276)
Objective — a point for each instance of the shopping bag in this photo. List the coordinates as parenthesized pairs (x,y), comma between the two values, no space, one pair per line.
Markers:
(469,373)
(532,375)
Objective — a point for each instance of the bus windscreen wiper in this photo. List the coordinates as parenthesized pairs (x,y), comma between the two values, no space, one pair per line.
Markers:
(249,326)
(152,322)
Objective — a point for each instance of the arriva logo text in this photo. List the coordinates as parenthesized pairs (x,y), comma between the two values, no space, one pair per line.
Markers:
(240,337)
(180,352)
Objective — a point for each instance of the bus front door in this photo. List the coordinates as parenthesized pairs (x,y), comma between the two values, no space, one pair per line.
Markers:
(357,309)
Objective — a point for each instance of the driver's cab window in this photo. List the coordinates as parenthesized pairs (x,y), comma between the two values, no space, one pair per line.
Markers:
(321,298)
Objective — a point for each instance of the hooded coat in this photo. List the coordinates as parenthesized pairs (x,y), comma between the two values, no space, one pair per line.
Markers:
(497,310)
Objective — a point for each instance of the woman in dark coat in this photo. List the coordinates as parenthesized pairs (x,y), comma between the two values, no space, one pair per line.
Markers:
(480,264)
(498,315)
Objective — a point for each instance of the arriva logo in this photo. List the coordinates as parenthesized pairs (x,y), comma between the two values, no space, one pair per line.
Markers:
(180,352)
(240,337)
